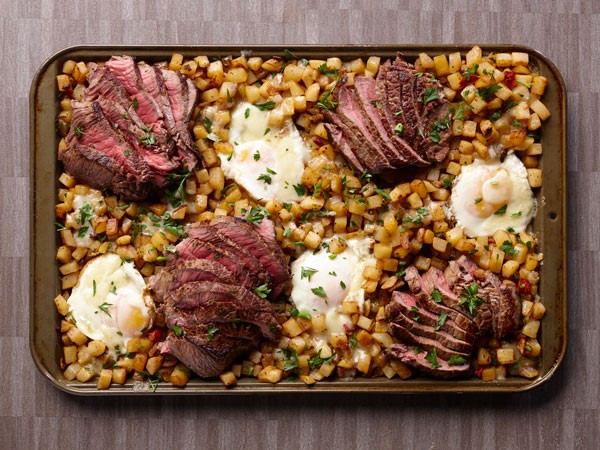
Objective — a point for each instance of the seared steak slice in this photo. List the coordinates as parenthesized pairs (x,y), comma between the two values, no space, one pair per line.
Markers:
(372,161)
(416,358)
(93,167)
(191,248)
(408,305)
(208,234)
(406,335)
(259,242)
(175,276)
(210,301)
(500,311)
(425,293)
(182,98)
(152,79)
(411,321)
(341,145)
(364,89)
(209,353)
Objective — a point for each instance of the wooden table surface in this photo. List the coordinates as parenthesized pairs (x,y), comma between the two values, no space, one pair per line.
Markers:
(564,413)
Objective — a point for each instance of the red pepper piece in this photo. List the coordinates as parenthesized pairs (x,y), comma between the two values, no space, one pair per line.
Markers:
(524,286)
(155,335)
(468,79)
(509,79)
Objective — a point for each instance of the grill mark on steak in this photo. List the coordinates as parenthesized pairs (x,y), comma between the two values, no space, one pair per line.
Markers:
(411,356)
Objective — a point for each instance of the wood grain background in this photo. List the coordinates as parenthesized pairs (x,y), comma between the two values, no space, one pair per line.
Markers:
(562,414)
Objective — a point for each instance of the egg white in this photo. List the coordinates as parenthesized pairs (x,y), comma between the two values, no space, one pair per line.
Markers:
(339,276)
(483,188)
(267,161)
(110,302)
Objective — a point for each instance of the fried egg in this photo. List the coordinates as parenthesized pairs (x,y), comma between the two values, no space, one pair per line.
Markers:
(110,302)
(267,161)
(489,195)
(322,281)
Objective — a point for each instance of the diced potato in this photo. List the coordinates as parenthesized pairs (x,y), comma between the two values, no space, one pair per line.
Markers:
(505,355)
(104,379)
(270,374)
(228,378)
(180,375)
(530,329)
(534,176)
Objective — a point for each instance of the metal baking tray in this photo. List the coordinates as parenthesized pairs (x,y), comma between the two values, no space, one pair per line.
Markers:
(549,224)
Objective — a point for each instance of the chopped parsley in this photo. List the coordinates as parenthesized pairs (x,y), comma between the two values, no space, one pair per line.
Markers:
(317,361)
(441,321)
(469,298)
(288,55)
(176,195)
(353,341)
(256,215)
(430,95)
(307,272)
(486,93)
(300,190)
(383,193)
(78,131)
(211,333)
(263,291)
(266,105)
(319,292)
(135,103)
(256,155)
(94,288)
(247,113)
(508,249)
(104,308)
(500,211)
(324,70)
(431,357)
(456,361)
(399,129)
(436,296)
(326,103)
(178,330)
(478,200)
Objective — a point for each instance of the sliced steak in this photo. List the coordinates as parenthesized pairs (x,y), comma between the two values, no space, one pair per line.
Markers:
(98,170)
(407,335)
(208,234)
(410,307)
(153,81)
(416,358)
(212,301)
(191,248)
(364,89)
(499,311)
(341,145)
(175,276)
(259,242)
(182,98)
(209,353)
(411,321)
(427,297)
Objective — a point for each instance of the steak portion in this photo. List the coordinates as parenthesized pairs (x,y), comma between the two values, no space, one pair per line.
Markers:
(422,361)
(397,120)
(127,115)
(215,292)
(499,310)
(445,312)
